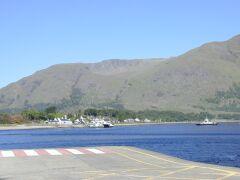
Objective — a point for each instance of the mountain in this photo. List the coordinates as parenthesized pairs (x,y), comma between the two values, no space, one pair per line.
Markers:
(186,83)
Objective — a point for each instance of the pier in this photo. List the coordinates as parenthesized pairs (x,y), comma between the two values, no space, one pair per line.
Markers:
(104,163)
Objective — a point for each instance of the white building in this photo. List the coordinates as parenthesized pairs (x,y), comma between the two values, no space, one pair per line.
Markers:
(147,120)
(58,121)
(65,122)
(137,120)
(129,120)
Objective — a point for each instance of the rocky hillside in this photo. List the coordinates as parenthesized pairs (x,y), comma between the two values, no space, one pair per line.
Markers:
(187,83)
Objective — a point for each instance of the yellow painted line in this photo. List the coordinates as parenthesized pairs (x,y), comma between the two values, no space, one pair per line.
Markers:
(227,176)
(90,172)
(117,170)
(184,178)
(102,174)
(137,160)
(150,169)
(175,162)
(177,171)
(132,170)
(99,176)
(139,169)
(137,176)
(106,174)
(218,169)
(156,157)
(214,173)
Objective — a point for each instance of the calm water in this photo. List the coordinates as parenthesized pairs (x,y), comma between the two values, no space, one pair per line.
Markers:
(210,144)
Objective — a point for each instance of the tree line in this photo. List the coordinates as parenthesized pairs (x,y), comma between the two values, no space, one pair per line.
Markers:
(168,116)
(31,115)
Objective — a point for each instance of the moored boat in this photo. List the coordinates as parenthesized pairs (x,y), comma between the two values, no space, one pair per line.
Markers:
(107,125)
(207,122)
(100,123)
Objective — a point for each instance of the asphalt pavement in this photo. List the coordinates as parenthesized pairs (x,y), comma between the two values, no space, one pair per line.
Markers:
(104,163)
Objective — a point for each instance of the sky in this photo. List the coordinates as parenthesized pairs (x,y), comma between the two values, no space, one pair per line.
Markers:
(35,34)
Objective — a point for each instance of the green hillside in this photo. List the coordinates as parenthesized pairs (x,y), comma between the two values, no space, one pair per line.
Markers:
(191,82)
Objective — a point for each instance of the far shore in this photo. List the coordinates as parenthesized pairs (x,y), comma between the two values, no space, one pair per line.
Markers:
(35,126)
(45,126)
(176,122)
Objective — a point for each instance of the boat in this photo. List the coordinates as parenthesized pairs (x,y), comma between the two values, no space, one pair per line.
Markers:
(100,123)
(207,122)
(107,125)
(95,125)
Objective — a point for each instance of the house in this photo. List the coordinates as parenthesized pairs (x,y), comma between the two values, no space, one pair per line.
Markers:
(58,121)
(65,122)
(137,120)
(147,121)
(129,120)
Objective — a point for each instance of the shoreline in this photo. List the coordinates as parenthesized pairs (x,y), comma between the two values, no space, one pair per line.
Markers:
(44,126)
(40,126)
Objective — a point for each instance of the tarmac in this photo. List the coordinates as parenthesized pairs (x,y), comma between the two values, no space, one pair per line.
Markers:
(108,163)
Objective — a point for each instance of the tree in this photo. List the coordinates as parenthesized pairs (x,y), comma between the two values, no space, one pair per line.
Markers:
(30,114)
(51,110)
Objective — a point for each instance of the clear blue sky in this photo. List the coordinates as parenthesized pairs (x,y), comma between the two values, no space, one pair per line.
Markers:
(35,34)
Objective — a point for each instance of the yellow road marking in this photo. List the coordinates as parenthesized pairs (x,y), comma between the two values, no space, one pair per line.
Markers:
(129,172)
(92,171)
(100,176)
(175,162)
(156,157)
(118,170)
(133,175)
(216,169)
(214,173)
(173,172)
(227,176)
(184,178)
(103,173)
(139,161)
(140,169)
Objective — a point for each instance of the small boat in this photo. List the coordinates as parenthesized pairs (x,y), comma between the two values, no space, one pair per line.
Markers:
(207,122)
(107,125)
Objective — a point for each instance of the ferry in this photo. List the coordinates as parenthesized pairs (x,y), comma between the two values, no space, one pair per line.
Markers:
(207,122)
(100,123)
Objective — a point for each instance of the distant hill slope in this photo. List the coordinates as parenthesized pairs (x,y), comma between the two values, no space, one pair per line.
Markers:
(184,83)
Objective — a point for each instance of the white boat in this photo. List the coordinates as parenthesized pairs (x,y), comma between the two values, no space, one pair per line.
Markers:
(95,125)
(100,123)
(207,122)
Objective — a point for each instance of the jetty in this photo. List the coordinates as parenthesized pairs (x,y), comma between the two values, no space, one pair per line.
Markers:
(104,163)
